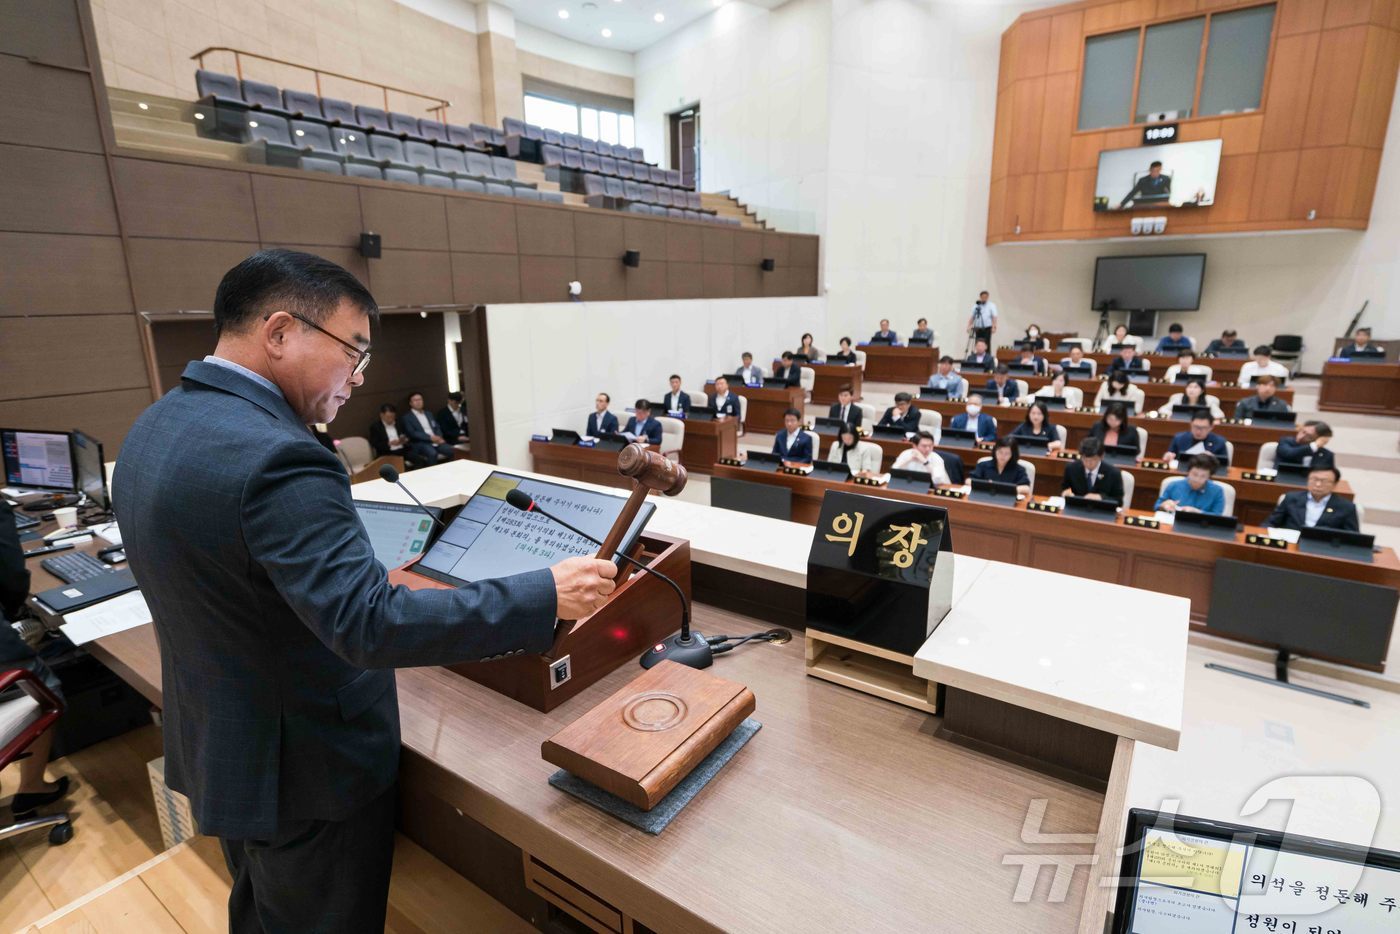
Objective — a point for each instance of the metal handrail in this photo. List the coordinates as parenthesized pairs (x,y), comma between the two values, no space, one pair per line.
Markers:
(440,108)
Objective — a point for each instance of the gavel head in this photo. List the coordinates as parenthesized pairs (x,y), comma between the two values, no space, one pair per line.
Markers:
(650,469)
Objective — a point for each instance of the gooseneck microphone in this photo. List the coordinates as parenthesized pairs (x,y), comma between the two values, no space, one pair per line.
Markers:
(687,648)
(387,472)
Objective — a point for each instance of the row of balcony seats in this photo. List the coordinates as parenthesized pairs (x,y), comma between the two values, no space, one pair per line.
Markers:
(596,186)
(556,157)
(538,134)
(316,147)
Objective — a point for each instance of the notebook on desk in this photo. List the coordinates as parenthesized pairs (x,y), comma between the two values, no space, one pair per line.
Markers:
(83,593)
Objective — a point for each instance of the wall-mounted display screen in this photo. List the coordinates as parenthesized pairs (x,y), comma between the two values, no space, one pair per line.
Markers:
(1175,175)
(1157,283)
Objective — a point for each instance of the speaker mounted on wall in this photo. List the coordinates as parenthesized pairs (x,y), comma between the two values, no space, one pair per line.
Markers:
(632,258)
(768,265)
(369,245)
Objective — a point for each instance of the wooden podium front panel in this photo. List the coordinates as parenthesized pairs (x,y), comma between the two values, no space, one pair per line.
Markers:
(886,364)
(766,407)
(706,442)
(573,462)
(1369,388)
(830,379)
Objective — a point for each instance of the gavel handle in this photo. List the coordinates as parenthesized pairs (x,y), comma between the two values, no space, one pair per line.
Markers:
(624,522)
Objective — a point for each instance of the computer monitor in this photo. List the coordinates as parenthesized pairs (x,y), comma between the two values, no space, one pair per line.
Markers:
(958,438)
(1077,370)
(889,432)
(1187,412)
(1233,353)
(1280,380)
(763,460)
(759,499)
(92,471)
(564,436)
(1026,343)
(910,481)
(1189,377)
(831,470)
(1337,543)
(1296,611)
(39,460)
(1292,472)
(490,538)
(612,441)
(1128,405)
(397,532)
(1205,524)
(930,392)
(771,383)
(699,413)
(877,339)
(1137,376)
(828,425)
(1368,355)
(1120,455)
(1025,369)
(1104,510)
(1266,417)
(1052,402)
(1033,444)
(993,491)
(1189,875)
(919,342)
(984,366)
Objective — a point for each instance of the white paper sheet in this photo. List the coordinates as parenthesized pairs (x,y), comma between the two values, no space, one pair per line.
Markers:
(120,613)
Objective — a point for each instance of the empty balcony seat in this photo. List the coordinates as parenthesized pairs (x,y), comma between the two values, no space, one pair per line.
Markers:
(513,127)
(535,133)
(647,193)
(618,151)
(527,194)
(461,136)
(613,187)
(693,215)
(435,132)
(364,170)
(406,127)
(453,162)
(373,119)
(570,140)
(264,97)
(573,159)
(315,138)
(590,162)
(474,185)
(504,170)
(624,168)
(692,200)
(397,174)
(552,156)
(219,89)
(271,136)
(631,191)
(351,143)
(656,176)
(675,212)
(553,197)
(588,145)
(673,177)
(302,105)
(607,165)
(663,197)
(341,113)
(498,188)
(552,137)
(479,166)
(388,151)
(483,137)
(435,180)
(637,207)
(636,155)
(594,186)
(659,210)
(424,157)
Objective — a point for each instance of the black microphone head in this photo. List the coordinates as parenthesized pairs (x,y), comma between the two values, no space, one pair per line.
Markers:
(520,500)
(387,472)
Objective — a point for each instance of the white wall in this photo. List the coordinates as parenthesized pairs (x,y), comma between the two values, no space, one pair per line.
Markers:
(551,45)
(761,78)
(546,366)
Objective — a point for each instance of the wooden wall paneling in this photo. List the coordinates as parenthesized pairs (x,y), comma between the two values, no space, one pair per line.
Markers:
(996,211)
(54,38)
(748,248)
(542,232)
(167,199)
(1020,204)
(408,357)
(1346,13)
(805,281)
(1334,87)
(105,415)
(1178,578)
(1101,18)
(546,278)
(1030,48)
(1066,43)
(1049,201)
(485,278)
(649,238)
(1008,39)
(803,251)
(1001,136)
(777,247)
(405,220)
(1371,112)
(1084,149)
(30,348)
(598,234)
(717,246)
(474,362)
(1057,122)
(1286,95)
(47,106)
(683,245)
(1293,17)
(1199,130)
(411,277)
(686,280)
(748,280)
(1127,138)
(1272,195)
(1137,11)
(1079,199)
(1173,8)
(63,274)
(180,275)
(648,281)
(717,280)
(299,210)
(1027,105)
(1234,187)
(52,191)
(603,279)
(1240,135)
(1341,191)
(347,258)
(481,225)
(1366,184)
(176,343)
(1066,556)
(1311,181)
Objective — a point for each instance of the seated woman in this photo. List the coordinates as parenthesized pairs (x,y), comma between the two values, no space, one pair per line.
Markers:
(845,354)
(1037,425)
(1059,388)
(1116,428)
(809,349)
(1118,388)
(1004,466)
(1192,393)
(861,457)
(1034,333)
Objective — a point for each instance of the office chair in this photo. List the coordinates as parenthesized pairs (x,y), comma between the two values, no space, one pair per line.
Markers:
(1288,350)
(22,720)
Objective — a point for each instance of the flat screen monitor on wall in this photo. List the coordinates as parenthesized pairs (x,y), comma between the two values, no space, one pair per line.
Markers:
(1158,283)
(1153,178)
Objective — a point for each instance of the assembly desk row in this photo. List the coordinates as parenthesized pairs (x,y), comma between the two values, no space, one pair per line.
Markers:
(1158,559)
(846,811)
(1223,369)
(1368,388)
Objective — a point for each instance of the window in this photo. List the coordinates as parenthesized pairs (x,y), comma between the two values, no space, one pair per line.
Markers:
(1171,56)
(1235,62)
(608,124)
(551,114)
(1107,95)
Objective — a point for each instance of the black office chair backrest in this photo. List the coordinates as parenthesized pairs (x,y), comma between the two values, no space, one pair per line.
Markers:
(1288,343)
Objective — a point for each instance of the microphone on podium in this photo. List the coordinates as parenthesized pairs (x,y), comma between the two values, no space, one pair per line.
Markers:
(687,648)
(387,472)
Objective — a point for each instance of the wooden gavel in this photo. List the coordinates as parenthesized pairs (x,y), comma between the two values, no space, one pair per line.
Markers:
(649,471)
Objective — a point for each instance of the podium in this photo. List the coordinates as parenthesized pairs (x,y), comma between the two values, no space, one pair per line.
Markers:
(641,612)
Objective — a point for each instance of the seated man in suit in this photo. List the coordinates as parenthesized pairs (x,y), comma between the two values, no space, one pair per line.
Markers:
(1128,361)
(922,332)
(885,335)
(947,378)
(1176,340)
(790,371)
(975,419)
(1262,363)
(1227,340)
(903,415)
(453,419)
(677,400)
(641,426)
(844,408)
(922,457)
(792,443)
(600,420)
(1360,343)
(1198,440)
(981,357)
(424,432)
(1265,399)
(1028,358)
(1003,386)
(1315,507)
(1308,446)
(751,374)
(385,436)
(1195,492)
(1076,362)
(1090,476)
(723,404)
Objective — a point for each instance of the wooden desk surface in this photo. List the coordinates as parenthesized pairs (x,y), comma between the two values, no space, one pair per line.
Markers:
(1225,368)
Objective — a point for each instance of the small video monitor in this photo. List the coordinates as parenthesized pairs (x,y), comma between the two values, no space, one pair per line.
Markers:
(1120,455)
(984,365)
(699,413)
(828,425)
(1291,472)
(1187,412)
(1281,380)
(1128,405)
(1138,376)
(92,470)
(1233,353)
(1117,347)
(612,441)
(931,392)
(398,532)
(1051,402)
(1024,369)
(835,360)
(877,339)
(763,460)
(1205,525)
(958,438)
(919,342)
(911,481)
(1266,417)
(1337,543)
(563,436)
(888,432)
(1169,351)
(1102,510)
(1026,343)
(801,358)
(1188,377)
(1078,370)
(831,470)
(1368,355)
(994,492)
(39,460)
(771,383)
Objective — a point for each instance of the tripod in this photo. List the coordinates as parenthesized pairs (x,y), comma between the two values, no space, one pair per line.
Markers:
(1101,336)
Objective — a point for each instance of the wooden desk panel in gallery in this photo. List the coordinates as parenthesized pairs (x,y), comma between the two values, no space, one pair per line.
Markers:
(1224,369)
(830,379)
(766,406)
(574,462)
(706,441)
(1369,388)
(888,364)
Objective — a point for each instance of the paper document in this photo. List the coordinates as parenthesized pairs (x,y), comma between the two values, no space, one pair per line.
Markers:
(103,619)
(1287,535)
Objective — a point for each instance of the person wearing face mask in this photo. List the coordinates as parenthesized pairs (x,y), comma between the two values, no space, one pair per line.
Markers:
(972,417)
(1034,333)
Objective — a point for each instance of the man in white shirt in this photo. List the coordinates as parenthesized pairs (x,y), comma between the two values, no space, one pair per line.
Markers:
(982,323)
(1262,363)
(1186,363)
(1075,360)
(677,400)
(922,457)
(424,433)
(750,373)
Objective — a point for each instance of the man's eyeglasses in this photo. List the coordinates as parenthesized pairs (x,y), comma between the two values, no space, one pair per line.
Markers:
(361,356)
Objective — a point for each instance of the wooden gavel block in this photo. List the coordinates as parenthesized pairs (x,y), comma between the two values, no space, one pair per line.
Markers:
(649,471)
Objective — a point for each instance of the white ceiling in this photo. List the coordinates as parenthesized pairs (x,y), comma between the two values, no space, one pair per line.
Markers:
(632,22)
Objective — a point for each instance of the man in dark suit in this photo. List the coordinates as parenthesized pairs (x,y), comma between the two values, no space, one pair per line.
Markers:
(885,335)
(453,419)
(1090,476)
(792,443)
(387,437)
(600,420)
(981,358)
(723,403)
(1228,340)
(903,415)
(1002,386)
(1199,439)
(1152,188)
(1361,345)
(844,408)
(676,400)
(425,438)
(1308,446)
(641,425)
(1316,507)
(789,371)
(1128,361)
(278,629)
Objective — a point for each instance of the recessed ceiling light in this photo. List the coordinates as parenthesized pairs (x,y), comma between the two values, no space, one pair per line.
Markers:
(607,33)
(660,17)
(563,14)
